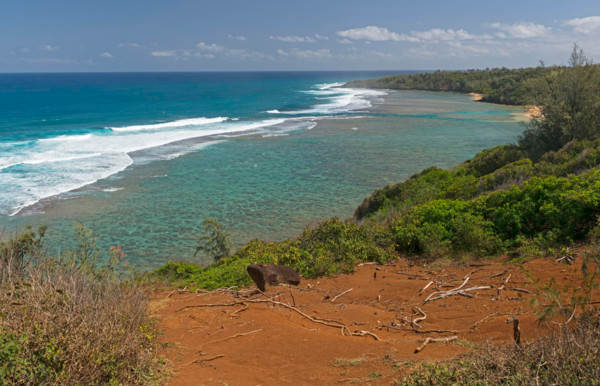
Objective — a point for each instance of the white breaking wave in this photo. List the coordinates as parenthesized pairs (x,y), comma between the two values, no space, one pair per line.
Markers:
(47,167)
(340,100)
(172,124)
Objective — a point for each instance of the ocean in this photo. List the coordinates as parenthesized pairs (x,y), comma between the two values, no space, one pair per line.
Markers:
(141,158)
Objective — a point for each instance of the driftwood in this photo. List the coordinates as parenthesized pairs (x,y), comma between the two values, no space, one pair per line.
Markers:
(435,340)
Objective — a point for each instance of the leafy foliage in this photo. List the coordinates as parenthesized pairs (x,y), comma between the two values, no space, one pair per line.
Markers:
(331,247)
(570,107)
(213,240)
(498,85)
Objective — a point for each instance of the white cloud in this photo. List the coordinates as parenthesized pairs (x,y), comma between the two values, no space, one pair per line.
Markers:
(241,38)
(49,48)
(306,54)
(209,47)
(106,55)
(372,33)
(438,34)
(321,37)
(247,55)
(133,45)
(163,54)
(293,39)
(585,25)
(25,49)
(345,41)
(522,30)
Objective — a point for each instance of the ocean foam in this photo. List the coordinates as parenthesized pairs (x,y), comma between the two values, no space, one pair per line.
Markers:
(341,100)
(173,124)
(50,166)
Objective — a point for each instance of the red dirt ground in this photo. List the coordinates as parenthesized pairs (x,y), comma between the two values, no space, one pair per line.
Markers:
(270,344)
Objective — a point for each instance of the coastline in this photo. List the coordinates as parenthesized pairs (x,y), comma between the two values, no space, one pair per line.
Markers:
(529,111)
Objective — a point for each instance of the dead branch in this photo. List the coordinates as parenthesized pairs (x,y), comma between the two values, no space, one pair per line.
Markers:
(205,360)
(498,274)
(343,293)
(363,333)
(456,291)
(239,310)
(330,323)
(520,290)
(178,290)
(424,288)
(232,336)
(417,320)
(435,340)
(369,263)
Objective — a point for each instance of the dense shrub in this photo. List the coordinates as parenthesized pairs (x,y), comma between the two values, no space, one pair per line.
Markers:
(71,320)
(445,227)
(334,246)
(498,85)
(568,356)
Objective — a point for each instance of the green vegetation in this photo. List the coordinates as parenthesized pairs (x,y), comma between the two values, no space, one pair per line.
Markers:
(72,319)
(523,198)
(80,319)
(213,240)
(570,106)
(332,247)
(498,85)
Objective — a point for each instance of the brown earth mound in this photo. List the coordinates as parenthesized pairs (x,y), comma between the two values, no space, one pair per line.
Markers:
(360,328)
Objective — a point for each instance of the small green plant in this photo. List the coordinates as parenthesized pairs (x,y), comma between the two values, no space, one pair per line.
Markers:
(344,362)
(213,240)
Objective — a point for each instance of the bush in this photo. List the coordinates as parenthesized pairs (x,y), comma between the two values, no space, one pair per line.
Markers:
(213,240)
(331,247)
(67,321)
(565,357)
(444,227)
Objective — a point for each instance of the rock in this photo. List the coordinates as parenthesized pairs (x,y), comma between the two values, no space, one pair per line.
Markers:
(272,274)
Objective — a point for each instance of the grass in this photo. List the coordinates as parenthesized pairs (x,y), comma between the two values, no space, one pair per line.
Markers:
(341,362)
(569,354)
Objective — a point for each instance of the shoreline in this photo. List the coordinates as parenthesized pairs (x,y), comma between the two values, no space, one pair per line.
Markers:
(530,111)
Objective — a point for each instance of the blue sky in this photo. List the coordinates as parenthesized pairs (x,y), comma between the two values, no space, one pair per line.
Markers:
(223,35)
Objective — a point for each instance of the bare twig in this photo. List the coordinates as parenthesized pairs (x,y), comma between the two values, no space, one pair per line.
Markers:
(343,293)
(368,263)
(234,313)
(435,340)
(206,360)
(363,333)
(178,290)
(424,288)
(520,290)
(417,320)
(232,336)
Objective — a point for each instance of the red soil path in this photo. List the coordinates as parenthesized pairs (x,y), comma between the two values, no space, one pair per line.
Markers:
(270,344)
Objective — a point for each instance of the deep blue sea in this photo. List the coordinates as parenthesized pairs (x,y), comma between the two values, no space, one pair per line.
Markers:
(141,158)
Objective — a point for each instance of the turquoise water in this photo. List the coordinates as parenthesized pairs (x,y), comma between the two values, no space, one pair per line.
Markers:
(267,154)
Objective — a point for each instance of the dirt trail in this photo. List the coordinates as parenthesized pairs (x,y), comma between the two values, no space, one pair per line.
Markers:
(265,343)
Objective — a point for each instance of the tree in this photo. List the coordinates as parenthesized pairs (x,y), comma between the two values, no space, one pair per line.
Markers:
(213,240)
(570,107)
